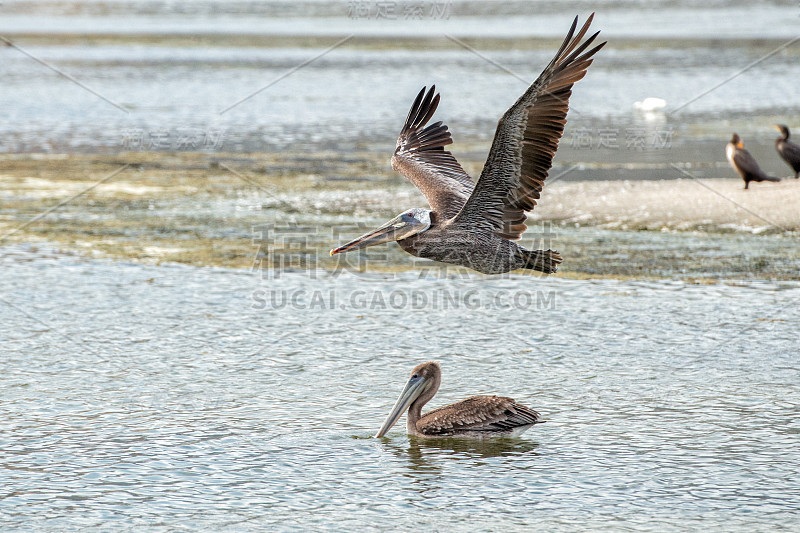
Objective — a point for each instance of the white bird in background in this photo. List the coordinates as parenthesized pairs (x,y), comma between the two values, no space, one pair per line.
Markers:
(651,109)
(650,104)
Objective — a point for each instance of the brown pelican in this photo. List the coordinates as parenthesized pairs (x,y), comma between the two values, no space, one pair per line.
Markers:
(744,163)
(478,416)
(789,151)
(474,225)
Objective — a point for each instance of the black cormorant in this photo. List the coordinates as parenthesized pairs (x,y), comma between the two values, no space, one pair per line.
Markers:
(789,151)
(744,163)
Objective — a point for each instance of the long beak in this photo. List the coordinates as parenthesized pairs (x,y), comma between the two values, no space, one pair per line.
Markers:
(394,230)
(414,388)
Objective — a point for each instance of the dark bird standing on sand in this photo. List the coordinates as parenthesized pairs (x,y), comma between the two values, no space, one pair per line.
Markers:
(744,163)
(474,225)
(476,417)
(789,151)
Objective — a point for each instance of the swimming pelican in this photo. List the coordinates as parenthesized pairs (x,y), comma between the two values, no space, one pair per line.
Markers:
(744,163)
(789,151)
(474,225)
(478,416)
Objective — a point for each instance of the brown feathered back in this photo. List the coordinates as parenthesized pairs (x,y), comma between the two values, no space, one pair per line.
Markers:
(477,413)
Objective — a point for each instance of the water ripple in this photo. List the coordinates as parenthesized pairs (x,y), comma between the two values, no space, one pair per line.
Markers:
(161,397)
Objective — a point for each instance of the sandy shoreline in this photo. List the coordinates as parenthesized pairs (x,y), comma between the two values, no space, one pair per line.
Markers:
(716,205)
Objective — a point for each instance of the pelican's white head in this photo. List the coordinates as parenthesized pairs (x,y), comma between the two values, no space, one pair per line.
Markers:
(409,222)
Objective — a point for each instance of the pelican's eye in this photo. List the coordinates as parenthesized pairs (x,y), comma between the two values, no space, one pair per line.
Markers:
(414,376)
(411,214)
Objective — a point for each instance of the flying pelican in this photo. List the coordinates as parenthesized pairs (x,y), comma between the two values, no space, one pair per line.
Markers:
(474,225)
(478,416)
(789,151)
(744,163)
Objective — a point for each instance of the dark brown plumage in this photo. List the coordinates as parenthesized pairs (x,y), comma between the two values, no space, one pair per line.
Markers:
(526,141)
(474,224)
(789,151)
(744,163)
(477,416)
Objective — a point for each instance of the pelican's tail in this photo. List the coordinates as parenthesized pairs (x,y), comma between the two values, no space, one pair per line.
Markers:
(542,260)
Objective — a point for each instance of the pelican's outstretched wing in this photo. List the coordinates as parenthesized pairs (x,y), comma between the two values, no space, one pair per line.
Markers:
(420,156)
(477,413)
(525,142)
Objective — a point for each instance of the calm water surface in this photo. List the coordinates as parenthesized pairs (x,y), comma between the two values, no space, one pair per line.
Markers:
(175,398)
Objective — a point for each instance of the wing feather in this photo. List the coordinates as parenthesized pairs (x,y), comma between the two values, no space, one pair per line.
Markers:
(526,141)
(477,413)
(420,156)
(747,166)
(791,153)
